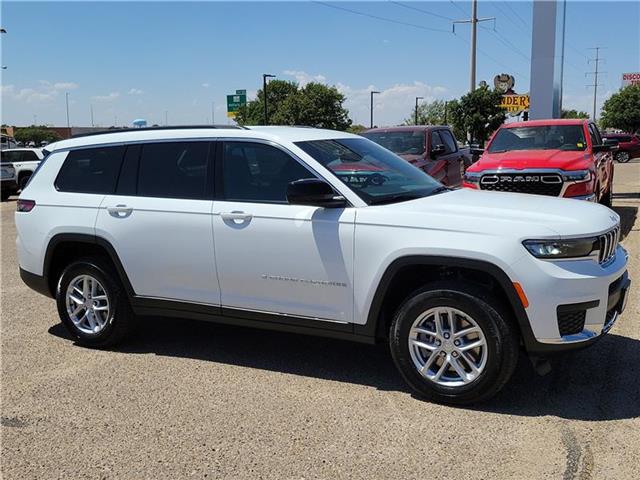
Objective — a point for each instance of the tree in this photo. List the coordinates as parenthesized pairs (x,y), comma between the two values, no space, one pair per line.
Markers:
(574,114)
(429,113)
(36,135)
(477,114)
(357,129)
(622,110)
(314,105)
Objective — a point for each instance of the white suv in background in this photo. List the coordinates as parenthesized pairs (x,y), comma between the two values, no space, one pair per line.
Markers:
(317,232)
(25,161)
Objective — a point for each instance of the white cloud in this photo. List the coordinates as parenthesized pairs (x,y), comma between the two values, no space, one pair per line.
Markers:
(392,105)
(106,98)
(135,91)
(205,85)
(303,77)
(45,92)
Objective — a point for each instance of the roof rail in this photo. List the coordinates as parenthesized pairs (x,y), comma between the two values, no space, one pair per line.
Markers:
(142,129)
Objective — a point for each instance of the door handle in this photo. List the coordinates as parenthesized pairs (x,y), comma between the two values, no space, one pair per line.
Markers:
(233,216)
(120,211)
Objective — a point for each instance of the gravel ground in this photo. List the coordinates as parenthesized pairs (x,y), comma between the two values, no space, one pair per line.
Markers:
(186,399)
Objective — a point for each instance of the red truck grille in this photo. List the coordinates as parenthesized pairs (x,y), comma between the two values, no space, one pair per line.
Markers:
(537,184)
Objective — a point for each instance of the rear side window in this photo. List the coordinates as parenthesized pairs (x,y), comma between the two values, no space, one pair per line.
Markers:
(91,170)
(174,170)
(29,156)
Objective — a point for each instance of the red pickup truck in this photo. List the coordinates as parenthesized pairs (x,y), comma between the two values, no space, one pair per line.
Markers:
(433,149)
(560,158)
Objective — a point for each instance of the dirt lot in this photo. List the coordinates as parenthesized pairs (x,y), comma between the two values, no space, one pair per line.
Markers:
(186,399)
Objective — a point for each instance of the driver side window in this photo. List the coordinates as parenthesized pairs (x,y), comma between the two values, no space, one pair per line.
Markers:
(255,172)
(436,139)
(595,135)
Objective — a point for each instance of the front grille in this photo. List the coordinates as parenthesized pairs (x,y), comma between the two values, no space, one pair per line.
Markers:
(607,243)
(538,184)
(570,323)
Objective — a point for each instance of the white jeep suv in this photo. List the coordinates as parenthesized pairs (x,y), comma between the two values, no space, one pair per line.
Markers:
(317,232)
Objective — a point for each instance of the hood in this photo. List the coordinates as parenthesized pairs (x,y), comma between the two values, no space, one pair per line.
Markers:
(497,213)
(525,159)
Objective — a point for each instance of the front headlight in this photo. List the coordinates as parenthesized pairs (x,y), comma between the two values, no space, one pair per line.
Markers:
(552,249)
(577,176)
(472,177)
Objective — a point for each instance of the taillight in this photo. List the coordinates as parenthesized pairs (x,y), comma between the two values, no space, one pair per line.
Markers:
(25,205)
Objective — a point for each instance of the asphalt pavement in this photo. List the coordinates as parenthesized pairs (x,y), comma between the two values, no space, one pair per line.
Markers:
(184,399)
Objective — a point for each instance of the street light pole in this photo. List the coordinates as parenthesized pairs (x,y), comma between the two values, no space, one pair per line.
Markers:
(417,98)
(264,94)
(66,95)
(372,93)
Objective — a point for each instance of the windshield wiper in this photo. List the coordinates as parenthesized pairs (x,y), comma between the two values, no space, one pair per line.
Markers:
(401,197)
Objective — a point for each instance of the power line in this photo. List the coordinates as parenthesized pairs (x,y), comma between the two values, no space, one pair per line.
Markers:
(383,19)
(517,15)
(410,7)
(458,7)
(595,73)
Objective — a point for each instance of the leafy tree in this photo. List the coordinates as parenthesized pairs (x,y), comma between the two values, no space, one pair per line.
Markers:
(314,105)
(574,114)
(429,113)
(36,134)
(357,129)
(477,114)
(622,110)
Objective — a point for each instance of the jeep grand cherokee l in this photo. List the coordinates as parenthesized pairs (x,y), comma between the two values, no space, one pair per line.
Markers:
(316,232)
(558,158)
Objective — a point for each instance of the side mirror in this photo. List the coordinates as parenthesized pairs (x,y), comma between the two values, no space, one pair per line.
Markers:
(438,150)
(314,192)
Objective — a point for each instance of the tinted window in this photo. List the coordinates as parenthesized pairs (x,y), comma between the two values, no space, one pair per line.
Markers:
(174,170)
(400,142)
(436,139)
(11,157)
(546,137)
(257,172)
(92,170)
(29,156)
(595,135)
(449,142)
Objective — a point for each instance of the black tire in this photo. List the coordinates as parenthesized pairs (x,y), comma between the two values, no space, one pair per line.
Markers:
(120,320)
(490,315)
(22,182)
(606,199)
(623,157)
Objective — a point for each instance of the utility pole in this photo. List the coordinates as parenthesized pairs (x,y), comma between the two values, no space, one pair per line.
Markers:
(417,98)
(446,104)
(372,93)
(264,94)
(66,95)
(91,108)
(474,20)
(595,74)
(2,30)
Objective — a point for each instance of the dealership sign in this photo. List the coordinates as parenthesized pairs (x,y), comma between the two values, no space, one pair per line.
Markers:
(515,103)
(630,79)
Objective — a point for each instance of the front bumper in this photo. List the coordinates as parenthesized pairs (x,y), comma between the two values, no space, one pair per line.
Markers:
(598,292)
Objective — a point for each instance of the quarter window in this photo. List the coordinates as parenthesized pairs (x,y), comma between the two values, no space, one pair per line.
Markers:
(90,170)
(174,170)
(258,173)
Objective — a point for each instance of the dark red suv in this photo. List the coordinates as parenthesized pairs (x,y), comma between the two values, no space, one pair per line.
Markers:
(433,149)
(628,146)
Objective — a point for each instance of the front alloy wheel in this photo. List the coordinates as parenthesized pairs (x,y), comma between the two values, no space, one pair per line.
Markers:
(87,304)
(448,347)
(623,157)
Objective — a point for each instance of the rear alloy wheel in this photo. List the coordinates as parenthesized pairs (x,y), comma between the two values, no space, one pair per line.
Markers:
(623,157)
(92,303)
(454,343)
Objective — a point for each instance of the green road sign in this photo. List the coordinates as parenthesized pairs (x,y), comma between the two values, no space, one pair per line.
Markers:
(234,102)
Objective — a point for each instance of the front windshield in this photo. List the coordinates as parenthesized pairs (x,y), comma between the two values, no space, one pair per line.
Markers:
(375,174)
(402,143)
(550,137)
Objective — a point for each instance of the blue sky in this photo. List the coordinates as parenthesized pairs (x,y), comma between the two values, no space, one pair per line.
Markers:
(137,60)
